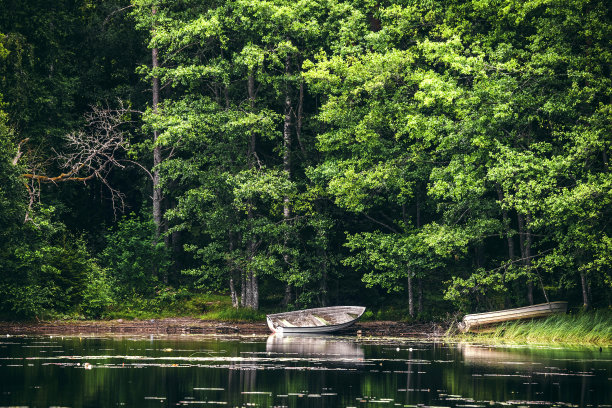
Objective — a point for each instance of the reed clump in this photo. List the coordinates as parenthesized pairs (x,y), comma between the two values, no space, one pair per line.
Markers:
(580,328)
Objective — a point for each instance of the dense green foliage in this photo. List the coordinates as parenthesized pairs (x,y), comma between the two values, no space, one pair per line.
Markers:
(427,157)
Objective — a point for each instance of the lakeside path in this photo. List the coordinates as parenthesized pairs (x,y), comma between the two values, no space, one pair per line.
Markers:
(173,326)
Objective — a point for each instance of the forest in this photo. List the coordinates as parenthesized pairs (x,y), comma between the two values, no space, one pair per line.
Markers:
(421,158)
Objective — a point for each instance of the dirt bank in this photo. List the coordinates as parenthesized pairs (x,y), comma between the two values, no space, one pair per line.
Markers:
(196,326)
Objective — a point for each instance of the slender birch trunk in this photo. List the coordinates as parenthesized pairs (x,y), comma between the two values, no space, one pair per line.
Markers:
(252,288)
(287,170)
(157,158)
(157,193)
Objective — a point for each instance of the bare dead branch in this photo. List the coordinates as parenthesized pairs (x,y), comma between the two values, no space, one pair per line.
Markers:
(91,153)
(107,19)
(19,152)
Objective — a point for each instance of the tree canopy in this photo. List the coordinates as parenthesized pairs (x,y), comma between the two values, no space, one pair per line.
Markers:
(434,156)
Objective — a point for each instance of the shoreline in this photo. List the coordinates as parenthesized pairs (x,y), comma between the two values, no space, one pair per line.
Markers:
(367,330)
(184,326)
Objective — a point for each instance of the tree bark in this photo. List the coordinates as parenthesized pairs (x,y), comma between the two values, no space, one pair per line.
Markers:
(252,288)
(233,293)
(410,295)
(300,114)
(525,242)
(509,239)
(323,288)
(157,159)
(420,299)
(231,269)
(418,225)
(528,256)
(287,170)
(254,291)
(243,289)
(586,304)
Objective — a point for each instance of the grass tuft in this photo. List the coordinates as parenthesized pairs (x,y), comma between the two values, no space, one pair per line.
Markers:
(232,314)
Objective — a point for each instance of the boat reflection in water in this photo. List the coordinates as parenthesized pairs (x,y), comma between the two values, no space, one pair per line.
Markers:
(492,357)
(322,347)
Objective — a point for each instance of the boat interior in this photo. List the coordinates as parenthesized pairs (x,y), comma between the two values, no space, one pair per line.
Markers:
(317,317)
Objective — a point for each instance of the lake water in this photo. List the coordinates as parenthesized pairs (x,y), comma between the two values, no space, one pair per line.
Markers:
(55,371)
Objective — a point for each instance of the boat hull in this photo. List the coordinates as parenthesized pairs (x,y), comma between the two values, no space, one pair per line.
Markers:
(315,321)
(476,320)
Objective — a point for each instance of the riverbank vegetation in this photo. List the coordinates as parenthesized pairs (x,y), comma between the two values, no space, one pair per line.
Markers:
(580,328)
(423,159)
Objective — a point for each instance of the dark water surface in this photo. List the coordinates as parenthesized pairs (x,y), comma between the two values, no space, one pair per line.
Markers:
(55,371)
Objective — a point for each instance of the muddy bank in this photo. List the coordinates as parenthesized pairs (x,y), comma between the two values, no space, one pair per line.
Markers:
(196,326)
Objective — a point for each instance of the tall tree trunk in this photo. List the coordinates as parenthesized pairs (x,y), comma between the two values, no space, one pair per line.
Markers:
(157,159)
(410,295)
(252,288)
(300,115)
(287,170)
(251,282)
(233,294)
(509,239)
(420,280)
(243,289)
(528,238)
(157,193)
(255,289)
(525,242)
(288,298)
(323,288)
(232,269)
(420,299)
(586,304)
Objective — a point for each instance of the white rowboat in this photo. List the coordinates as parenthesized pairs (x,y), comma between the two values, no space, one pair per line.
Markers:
(318,320)
(475,320)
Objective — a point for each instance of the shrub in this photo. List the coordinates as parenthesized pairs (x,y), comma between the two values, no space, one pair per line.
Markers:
(133,258)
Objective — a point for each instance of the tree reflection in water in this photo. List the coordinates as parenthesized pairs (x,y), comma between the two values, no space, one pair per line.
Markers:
(321,371)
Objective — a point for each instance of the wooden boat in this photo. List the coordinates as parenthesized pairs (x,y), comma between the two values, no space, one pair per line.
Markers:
(475,320)
(318,320)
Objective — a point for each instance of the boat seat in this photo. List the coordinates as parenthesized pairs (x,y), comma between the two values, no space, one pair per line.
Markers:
(285,323)
(321,320)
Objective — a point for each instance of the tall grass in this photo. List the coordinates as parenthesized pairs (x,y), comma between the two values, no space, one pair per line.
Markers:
(241,314)
(581,328)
